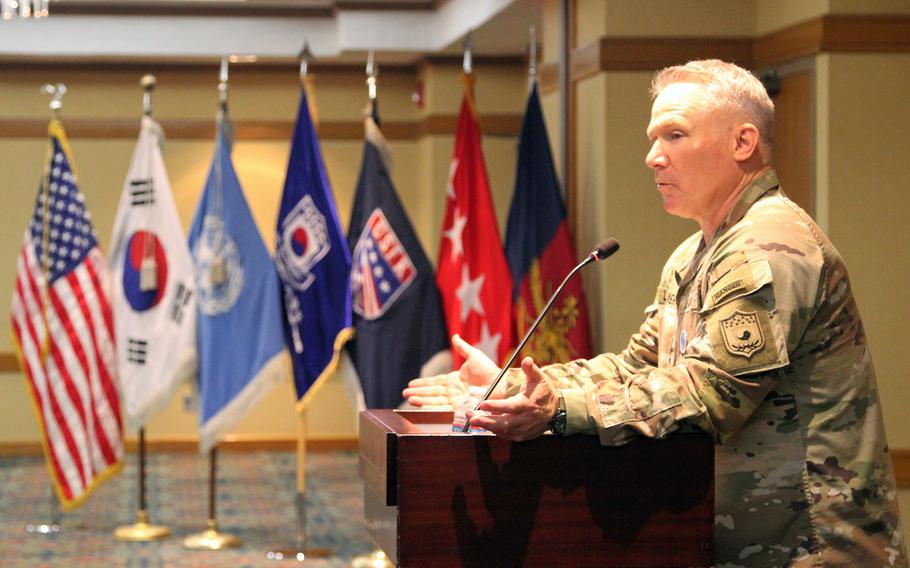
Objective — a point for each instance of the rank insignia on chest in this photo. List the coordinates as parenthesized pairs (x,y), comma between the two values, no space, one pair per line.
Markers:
(742,333)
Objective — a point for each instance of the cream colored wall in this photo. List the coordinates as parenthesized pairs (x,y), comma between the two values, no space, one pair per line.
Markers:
(549,35)
(621,18)
(869,137)
(773,15)
(420,171)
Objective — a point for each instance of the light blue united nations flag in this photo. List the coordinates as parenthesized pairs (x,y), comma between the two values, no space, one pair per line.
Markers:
(240,339)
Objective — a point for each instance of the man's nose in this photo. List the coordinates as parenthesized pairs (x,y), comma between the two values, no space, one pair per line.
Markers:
(655,158)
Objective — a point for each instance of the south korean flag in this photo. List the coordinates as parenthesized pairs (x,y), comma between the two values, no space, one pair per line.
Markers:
(152,286)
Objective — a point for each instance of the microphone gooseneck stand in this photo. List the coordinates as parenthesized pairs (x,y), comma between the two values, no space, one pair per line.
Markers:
(600,252)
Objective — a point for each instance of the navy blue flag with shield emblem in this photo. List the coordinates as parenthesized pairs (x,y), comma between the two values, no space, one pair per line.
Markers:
(400,330)
(313,263)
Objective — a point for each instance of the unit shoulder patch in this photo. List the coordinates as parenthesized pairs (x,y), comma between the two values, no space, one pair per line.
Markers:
(745,337)
(742,334)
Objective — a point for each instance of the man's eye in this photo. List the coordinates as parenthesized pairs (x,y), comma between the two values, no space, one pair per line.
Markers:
(676,135)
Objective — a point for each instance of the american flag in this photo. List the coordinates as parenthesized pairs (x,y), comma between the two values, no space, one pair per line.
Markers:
(62,323)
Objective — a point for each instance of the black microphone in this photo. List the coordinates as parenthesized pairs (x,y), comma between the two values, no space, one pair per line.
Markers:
(602,251)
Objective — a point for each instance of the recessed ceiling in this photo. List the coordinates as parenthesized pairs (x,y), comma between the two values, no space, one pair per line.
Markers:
(337,31)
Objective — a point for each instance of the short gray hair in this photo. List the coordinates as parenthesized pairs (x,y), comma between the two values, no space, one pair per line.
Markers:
(728,86)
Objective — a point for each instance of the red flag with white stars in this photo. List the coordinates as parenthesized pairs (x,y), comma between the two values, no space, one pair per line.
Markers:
(473,277)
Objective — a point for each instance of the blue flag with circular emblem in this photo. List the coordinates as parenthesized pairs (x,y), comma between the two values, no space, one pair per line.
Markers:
(239,311)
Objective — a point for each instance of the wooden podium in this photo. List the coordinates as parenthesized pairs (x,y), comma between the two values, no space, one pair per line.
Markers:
(433,497)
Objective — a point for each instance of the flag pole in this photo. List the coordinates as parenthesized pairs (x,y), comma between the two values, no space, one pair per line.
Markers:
(52,527)
(211,538)
(377,558)
(467,63)
(57,91)
(532,57)
(141,530)
(301,551)
(372,74)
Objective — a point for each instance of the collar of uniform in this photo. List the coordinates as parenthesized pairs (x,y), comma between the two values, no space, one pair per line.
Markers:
(759,187)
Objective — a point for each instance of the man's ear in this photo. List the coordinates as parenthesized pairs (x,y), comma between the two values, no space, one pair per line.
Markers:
(746,141)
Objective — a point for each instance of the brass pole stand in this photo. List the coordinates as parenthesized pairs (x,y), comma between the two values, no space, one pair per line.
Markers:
(141,530)
(211,538)
(300,552)
(376,559)
(48,528)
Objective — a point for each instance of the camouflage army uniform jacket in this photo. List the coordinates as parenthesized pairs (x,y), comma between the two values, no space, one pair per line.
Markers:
(755,337)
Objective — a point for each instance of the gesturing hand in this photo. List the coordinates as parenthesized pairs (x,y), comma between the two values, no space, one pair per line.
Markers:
(445,392)
(525,415)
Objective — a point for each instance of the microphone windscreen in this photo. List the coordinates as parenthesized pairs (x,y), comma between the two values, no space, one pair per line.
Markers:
(606,248)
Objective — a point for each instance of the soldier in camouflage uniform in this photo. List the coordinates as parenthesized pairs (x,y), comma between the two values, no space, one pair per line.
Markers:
(753,336)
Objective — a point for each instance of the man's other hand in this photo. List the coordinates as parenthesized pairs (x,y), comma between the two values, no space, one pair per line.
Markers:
(525,415)
(445,392)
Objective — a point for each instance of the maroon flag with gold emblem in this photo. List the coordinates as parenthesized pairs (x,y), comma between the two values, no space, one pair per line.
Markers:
(540,251)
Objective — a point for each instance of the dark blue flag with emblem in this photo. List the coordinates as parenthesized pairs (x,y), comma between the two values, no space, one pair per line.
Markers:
(400,330)
(313,262)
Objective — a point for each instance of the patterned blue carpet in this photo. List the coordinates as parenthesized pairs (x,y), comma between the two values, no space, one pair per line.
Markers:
(256,502)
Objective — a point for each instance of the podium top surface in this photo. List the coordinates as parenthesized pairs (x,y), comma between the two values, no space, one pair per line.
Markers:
(413,422)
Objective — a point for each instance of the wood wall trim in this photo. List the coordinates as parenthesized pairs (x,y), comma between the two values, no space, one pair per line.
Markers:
(618,54)
(548,78)
(900,461)
(888,34)
(485,60)
(832,33)
(187,444)
(801,40)
(280,67)
(118,128)
(9,363)
(586,61)
(652,53)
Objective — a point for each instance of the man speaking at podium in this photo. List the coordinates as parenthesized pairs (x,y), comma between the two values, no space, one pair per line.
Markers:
(753,336)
